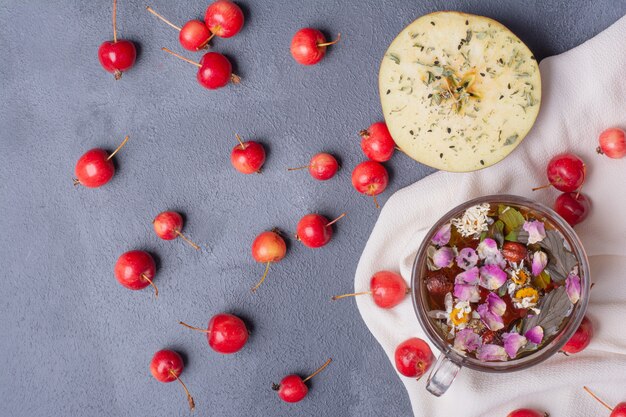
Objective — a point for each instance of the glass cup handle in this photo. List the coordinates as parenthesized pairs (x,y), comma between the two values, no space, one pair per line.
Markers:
(442,375)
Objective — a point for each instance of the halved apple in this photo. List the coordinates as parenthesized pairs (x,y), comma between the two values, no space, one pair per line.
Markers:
(459,92)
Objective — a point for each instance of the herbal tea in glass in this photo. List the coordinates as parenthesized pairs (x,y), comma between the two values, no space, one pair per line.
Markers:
(500,281)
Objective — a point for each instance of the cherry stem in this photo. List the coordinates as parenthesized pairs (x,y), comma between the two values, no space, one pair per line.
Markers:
(198,329)
(240,141)
(193,245)
(267,268)
(76,182)
(156,289)
(295,169)
(542,187)
(181,57)
(320,369)
(339,297)
(376,202)
(114,21)
(205,43)
(151,10)
(597,398)
(330,43)
(336,220)
(119,147)
(192,404)
(235,79)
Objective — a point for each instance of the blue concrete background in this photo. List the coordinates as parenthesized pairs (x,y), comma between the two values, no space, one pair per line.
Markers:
(73,341)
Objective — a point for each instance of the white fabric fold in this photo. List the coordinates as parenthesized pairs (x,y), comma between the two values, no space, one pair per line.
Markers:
(584,92)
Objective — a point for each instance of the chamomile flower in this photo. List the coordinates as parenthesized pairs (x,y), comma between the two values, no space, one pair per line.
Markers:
(519,275)
(526,297)
(474,221)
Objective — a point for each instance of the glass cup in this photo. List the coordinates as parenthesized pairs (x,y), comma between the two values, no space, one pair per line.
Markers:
(450,361)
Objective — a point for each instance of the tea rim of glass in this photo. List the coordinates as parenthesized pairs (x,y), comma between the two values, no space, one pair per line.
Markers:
(555,345)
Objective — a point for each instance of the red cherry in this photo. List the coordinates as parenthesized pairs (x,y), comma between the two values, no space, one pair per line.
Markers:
(247,157)
(573,207)
(224,18)
(413,357)
(322,166)
(526,412)
(214,70)
(293,389)
(168,226)
(314,230)
(267,248)
(377,143)
(166,366)
(581,338)
(618,411)
(226,333)
(612,143)
(135,270)
(117,56)
(387,289)
(370,178)
(95,168)
(193,36)
(566,172)
(308,46)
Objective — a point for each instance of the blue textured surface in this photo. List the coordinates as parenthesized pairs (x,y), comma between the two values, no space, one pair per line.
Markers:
(74,342)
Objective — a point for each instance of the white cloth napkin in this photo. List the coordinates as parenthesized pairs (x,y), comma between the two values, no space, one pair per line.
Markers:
(584,92)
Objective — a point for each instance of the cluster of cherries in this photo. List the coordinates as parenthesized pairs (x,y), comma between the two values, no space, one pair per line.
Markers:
(567,173)
(223,19)
(315,230)
(136,269)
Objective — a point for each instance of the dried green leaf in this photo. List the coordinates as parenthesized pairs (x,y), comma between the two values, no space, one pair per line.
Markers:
(542,280)
(560,260)
(431,78)
(555,307)
(519,235)
(496,232)
(513,219)
(395,58)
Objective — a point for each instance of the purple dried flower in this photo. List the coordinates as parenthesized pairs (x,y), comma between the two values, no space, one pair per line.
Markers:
(467,292)
(489,252)
(496,304)
(467,341)
(443,257)
(492,321)
(572,287)
(540,260)
(491,353)
(442,237)
(512,343)
(467,258)
(536,231)
(535,335)
(492,277)
(468,277)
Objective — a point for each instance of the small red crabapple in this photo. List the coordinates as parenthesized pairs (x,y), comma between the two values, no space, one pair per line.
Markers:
(308,46)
